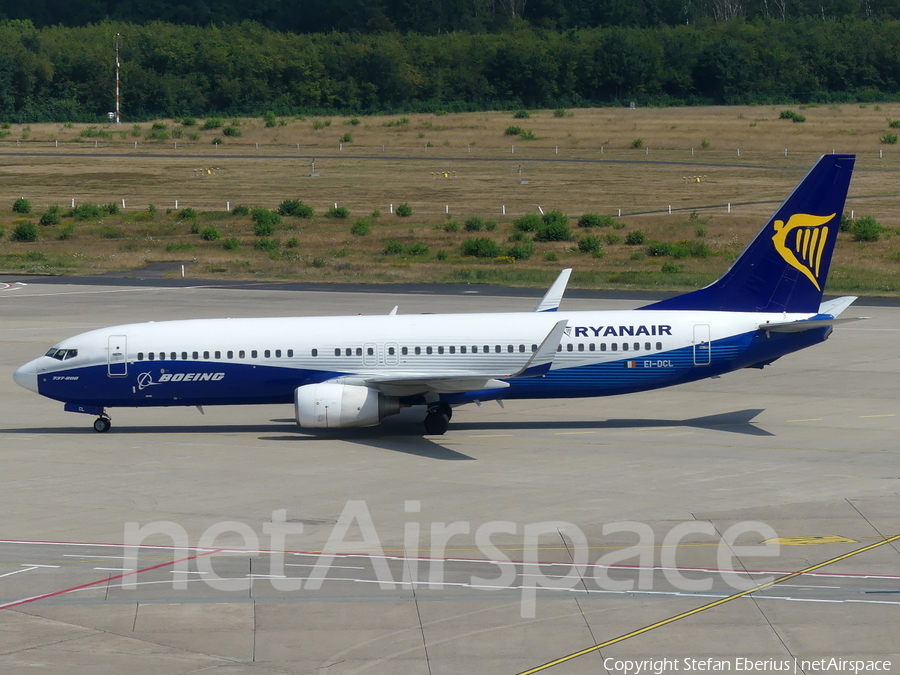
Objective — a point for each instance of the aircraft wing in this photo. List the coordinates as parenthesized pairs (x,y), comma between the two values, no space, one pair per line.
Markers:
(398,383)
(553,296)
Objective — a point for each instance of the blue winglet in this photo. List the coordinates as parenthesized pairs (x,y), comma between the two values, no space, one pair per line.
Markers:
(785,267)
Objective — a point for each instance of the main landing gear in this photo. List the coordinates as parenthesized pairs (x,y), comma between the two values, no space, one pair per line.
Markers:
(102,424)
(437,421)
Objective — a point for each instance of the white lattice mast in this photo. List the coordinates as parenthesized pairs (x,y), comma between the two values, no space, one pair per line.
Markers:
(118,101)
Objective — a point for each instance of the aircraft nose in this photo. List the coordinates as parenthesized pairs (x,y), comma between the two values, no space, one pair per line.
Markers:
(26,376)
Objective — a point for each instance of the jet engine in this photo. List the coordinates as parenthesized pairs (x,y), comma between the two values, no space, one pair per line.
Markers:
(331,406)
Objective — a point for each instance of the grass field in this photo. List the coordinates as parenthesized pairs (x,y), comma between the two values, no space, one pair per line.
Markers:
(578,161)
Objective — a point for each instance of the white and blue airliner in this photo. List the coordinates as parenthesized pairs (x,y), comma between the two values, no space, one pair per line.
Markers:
(353,371)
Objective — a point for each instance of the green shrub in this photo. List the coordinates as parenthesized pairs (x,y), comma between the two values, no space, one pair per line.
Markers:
(87,211)
(361,228)
(441,255)
(216,141)
(481,247)
(195,227)
(352,122)
(177,132)
(591,244)
(96,133)
(210,233)
(265,244)
(521,250)
(637,143)
(403,121)
(889,139)
(376,214)
(705,143)
(634,238)
(867,229)
(521,114)
(417,249)
(179,246)
(474,224)
(346,137)
(24,232)
(266,220)
(449,226)
(894,124)
(188,122)
(530,222)
(112,209)
(233,131)
(846,223)
(393,247)
(156,135)
(699,249)
(112,233)
(554,227)
(294,207)
(612,239)
(194,136)
(51,216)
(187,214)
(551,256)
(513,130)
(700,230)
(68,232)
(231,244)
(559,112)
(596,220)
(404,210)
(338,212)
(669,267)
(637,255)
(320,124)
(791,115)
(213,123)
(270,119)
(659,249)
(21,205)
(240,210)
(293,242)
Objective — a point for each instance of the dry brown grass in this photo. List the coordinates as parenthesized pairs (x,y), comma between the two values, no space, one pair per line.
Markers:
(578,177)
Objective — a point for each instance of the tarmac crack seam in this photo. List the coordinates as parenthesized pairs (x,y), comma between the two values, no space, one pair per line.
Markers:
(709,605)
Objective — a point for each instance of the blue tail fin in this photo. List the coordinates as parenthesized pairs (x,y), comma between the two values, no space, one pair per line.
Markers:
(785,267)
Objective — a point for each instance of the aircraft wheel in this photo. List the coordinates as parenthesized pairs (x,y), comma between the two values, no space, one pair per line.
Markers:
(445,409)
(436,423)
(102,425)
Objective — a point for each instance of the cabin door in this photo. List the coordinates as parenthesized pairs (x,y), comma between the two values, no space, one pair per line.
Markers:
(117,363)
(702,346)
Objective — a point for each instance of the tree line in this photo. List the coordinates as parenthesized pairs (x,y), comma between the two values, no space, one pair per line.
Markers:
(431,17)
(57,73)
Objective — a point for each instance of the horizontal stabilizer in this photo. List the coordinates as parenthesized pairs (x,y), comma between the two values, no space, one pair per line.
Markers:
(836,306)
(552,298)
(803,326)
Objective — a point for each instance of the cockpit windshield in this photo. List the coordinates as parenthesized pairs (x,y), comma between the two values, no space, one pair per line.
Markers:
(62,354)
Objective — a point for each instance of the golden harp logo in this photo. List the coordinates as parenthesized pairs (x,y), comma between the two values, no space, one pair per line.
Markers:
(804,250)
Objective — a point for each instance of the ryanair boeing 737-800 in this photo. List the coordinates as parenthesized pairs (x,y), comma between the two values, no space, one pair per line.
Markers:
(355,370)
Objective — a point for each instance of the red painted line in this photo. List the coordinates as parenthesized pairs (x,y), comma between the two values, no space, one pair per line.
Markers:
(26,601)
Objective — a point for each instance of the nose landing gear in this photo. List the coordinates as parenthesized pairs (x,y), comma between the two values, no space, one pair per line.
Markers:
(102,424)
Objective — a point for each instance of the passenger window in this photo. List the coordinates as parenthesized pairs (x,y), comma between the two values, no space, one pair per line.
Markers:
(268,353)
(570,347)
(487,349)
(647,346)
(140,356)
(592,347)
(278,353)
(440,350)
(315,352)
(241,354)
(218,355)
(205,355)
(150,356)
(659,345)
(230,355)
(348,352)
(581,346)
(521,349)
(428,350)
(337,351)
(474,349)
(391,351)
(533,348)
(624,346)
(559,348)
(370,351)
(497,349)
(509,348)
(418,350)
(637,346)
(462,350)
(452,349)
(603,347)
(404,351)
(174,356)
(184,356)
(614,347)
(253,354)
(358,351)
